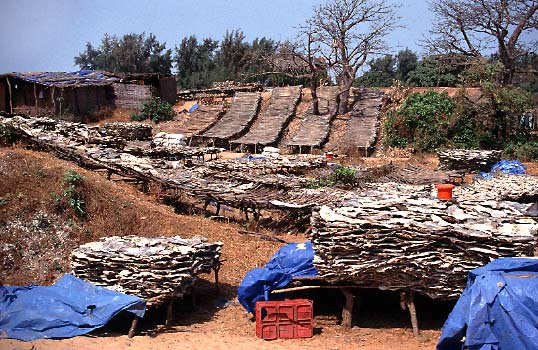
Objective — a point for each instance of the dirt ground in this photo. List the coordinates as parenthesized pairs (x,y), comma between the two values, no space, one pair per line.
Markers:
(27,179)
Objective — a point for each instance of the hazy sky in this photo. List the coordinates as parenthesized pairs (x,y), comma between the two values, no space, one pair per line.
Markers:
(45,35)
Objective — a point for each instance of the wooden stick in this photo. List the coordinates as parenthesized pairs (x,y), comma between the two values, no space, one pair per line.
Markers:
(132,330)
(169,313)
(347,311)
(10,96)
(35,97)
(291,289)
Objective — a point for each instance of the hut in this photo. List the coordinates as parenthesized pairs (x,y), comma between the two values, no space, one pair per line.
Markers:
(132,90)
(72,94)
(56,93)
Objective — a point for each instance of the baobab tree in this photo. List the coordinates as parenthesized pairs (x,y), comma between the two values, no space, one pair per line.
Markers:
(479,27)
(348,32)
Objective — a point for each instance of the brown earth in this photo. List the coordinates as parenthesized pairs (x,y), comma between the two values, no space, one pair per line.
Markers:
(44,231)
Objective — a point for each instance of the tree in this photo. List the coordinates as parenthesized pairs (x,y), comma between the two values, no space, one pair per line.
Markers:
(385,69)
(133,53)
(348,32)
(381,73)
(406,62)
(305,56)
(474,27)
(437,70)
(232,54)
(195,62)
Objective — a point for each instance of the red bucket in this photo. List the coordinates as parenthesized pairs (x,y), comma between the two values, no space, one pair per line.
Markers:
(444,191)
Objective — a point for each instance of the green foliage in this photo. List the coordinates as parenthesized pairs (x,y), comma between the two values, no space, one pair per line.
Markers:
(201,63)
(72,178)
(522,150)
(341,176)
(156,110)
(435,71)
(422,120)
(385,69)
(480,72)
(8,136)
(72,196)
(344,176)
(132,53)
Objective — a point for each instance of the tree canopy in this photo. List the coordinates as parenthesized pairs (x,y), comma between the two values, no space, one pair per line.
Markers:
(132,53)
(474,28)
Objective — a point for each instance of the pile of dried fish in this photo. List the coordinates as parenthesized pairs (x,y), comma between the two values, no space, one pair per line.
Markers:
(145,267)
(466,159)
(128,131)
(408,240)
(280,165)
(517,188)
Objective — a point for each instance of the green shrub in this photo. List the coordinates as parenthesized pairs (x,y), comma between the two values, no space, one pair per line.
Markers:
(522,150)
(341,177)
(72,194)
(344,176)
(156,110)
(421,121)
(8,136)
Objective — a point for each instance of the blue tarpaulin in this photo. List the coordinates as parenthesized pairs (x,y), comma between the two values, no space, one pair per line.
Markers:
(68,308)
(498,309)
(291,260)
(512,167)
(194,107)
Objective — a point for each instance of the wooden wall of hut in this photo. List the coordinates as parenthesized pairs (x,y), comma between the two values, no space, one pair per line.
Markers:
(4,103)
(131,96)
(168,89)
(68,102)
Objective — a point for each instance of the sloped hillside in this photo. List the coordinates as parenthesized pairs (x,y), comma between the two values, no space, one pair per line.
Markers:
(49,206)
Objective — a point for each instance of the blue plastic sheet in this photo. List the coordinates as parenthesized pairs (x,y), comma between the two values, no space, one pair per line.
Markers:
(512,167)
(291,260)
(250,157)
(68,308)
(194,107)
(498,309)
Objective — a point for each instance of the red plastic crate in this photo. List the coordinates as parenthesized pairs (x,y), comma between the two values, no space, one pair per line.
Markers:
(284,319)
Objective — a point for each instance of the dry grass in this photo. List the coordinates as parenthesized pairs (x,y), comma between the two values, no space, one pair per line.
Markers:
(42,234)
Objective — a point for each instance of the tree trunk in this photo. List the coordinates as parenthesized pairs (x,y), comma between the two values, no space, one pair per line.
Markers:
(314,92)
(344,97)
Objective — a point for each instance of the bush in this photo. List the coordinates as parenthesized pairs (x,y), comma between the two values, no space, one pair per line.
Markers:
(156,110)
(72,195)
(341,176)
(344,176)
(8,136)
(522,150)
(422,120)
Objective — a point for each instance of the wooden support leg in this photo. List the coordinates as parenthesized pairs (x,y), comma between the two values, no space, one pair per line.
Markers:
(216,269)
(407,300)
(218,208)
(170,313)
(347,311)
(132,330)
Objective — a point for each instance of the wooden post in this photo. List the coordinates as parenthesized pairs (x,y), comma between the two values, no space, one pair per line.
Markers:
(35,97)
(407,300)
(169,313)
(347,311)
(132,330)
(53,101)
(10,96)
(216,269)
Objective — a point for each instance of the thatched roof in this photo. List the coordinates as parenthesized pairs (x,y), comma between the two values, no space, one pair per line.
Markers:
(83,78)
(65,79)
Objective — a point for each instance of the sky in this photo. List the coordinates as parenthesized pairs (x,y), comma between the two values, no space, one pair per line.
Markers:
(45,35)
